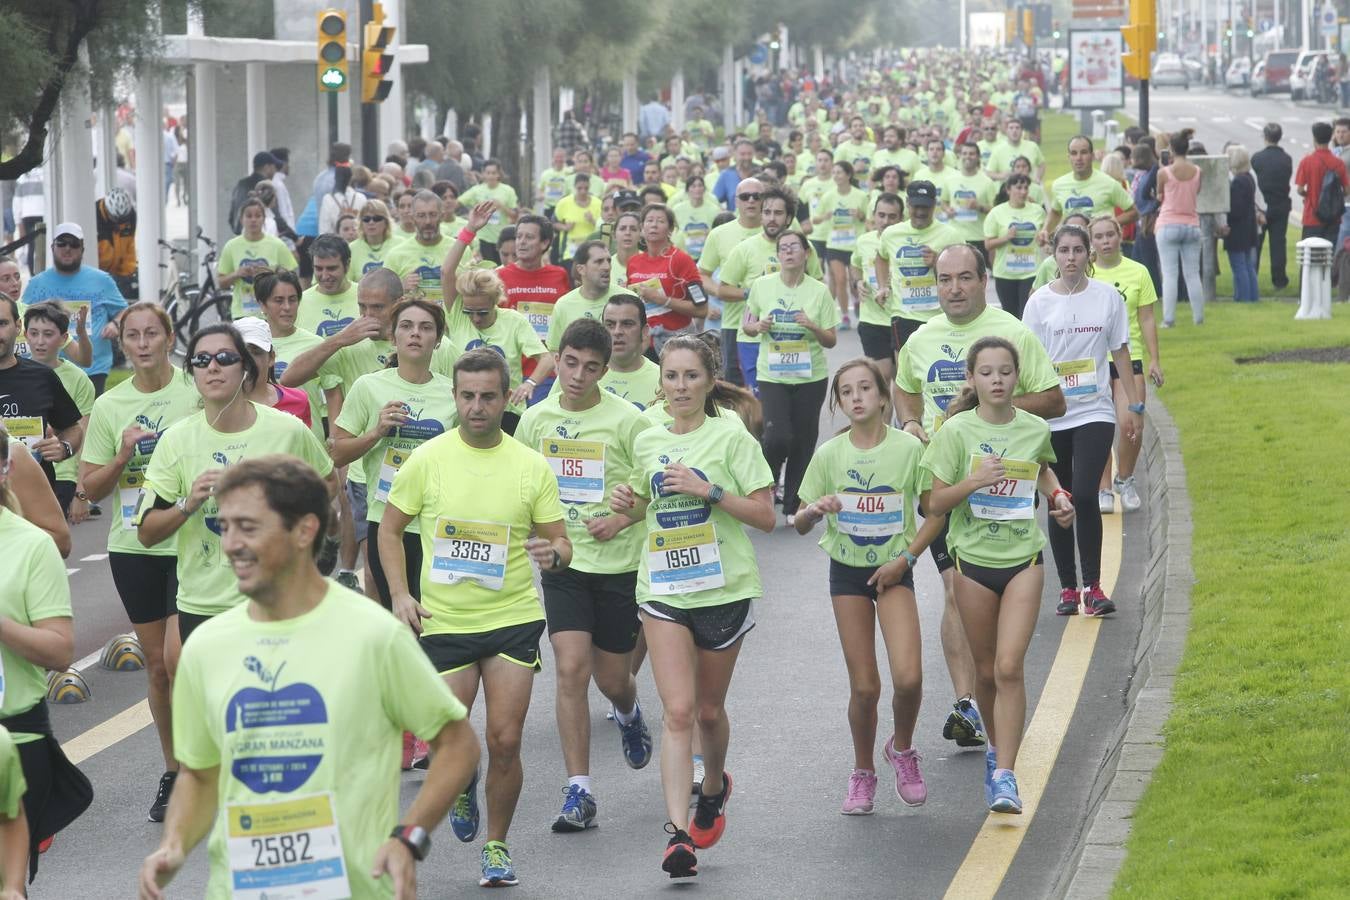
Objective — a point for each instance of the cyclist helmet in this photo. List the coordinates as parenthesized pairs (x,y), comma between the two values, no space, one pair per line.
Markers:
(119,205)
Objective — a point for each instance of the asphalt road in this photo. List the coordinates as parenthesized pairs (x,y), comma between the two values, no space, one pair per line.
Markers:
(790,755)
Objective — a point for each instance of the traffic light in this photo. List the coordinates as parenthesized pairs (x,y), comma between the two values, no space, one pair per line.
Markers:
(1028,25)
(1009,27)
(1141,38)
(376,61)
(332,50)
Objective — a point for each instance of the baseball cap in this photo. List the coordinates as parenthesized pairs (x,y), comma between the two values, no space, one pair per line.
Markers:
(921,193)
(263,158)
(627,200)
(256,332)
(68,228)
(720,153)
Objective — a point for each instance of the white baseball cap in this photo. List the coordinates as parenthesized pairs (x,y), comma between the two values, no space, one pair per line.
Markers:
(256,332)
(69,228)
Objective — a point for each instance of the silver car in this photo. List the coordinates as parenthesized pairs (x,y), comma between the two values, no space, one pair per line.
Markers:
(1170,73)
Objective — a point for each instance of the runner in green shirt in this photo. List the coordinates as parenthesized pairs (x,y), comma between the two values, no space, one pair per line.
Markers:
(694,215)
(874,317)
(124,430)
(45,325)
(505,200)
(279,296)
(248,255)
(630,375)
(1013,146)
(418,261)
(178,498)
(1086,190)
(905,264)
(377,240)
(591,266)
(971,196)
(1010,235)
(844,207)
(13,822)
(857,151)
(478,496)
(553,184)
(866,485)
(893,151)
(586,434)
(987,464)
(288,713)
(695,485)
(329,305)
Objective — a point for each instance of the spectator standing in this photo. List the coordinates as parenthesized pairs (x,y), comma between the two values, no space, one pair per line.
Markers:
(1144,159)
(653,117)
(285,208)
(1274,173)
(1312,170)
(634,158)
(342,198)
(571,134)
(265,165)
(1179,230)
(1240,235)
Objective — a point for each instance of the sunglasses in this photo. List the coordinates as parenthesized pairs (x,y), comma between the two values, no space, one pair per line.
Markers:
(67,243)
(372,218)
(222,358)
(476,313)
(749,197)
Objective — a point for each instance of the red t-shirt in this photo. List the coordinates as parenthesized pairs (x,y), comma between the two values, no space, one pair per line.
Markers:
(540,288)
(294,401)
(675,269)
(1311,169)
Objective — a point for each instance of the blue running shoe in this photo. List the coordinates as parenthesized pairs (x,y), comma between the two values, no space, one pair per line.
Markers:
(1005,799)
(990,764)
(578,811)
(498,870)
(636,740)
(464,814)
(964,724)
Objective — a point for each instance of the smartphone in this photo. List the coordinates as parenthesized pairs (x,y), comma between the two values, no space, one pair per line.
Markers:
(695,292)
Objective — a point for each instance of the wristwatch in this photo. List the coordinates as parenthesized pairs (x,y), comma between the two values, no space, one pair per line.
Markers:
(557,560)
(909,557)
(81,495)
(1137,408)
(70,451)
(181,506)
(415,838)
(715,494)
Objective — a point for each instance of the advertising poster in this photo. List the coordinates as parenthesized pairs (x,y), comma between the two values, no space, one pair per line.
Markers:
(1096,77)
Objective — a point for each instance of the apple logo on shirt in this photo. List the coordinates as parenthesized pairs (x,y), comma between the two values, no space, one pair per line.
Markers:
(675,510)
(947,371)
(864,486)
(785,327)
(478,342)
(910,260)
(274,734)
(331,322)
(420,429)
(253,261)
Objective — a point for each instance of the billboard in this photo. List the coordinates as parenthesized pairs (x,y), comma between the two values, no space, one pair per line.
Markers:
(1096,79)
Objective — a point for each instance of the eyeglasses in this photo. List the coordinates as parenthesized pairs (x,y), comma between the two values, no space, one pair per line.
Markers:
(68,243)
(222,358)
(749,197)
(476,313)
(372,218)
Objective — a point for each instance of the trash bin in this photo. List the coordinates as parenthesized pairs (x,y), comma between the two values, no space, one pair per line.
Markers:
(1314,256)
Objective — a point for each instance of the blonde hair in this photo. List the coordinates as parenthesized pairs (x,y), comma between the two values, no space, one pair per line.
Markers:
(1239,160)
(1114,166)
(480,283)
(7,500)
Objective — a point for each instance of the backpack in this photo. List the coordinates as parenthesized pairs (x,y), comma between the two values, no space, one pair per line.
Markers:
(1330,199)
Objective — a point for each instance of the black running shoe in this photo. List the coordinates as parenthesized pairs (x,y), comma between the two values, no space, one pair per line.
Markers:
(161,804)
(679,860)
(328,554)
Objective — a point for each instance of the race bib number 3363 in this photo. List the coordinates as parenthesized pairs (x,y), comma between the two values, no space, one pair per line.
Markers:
(469,551)
(286,849)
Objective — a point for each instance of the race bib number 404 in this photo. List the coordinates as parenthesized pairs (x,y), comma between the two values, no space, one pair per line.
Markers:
(684,560)
(470,551)
(1014,497)
(871,515)
(286,849)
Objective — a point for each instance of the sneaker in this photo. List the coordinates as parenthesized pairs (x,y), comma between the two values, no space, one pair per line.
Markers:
(909,785)
(792,520)
(679,860)
(635,740)
(1004,793)
(1106,502)
(697,787)
(498,870)
(162,794)
(862,790)
(710,816)
(578,811)
(348,580)
(1096,603)
(990,764)
(328,554)
(464,814)
(1068,602)
(845,325)
(1129,494)
(964,724)
(95,510)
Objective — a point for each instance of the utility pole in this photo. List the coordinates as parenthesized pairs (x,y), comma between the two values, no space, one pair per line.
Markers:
(1141,37)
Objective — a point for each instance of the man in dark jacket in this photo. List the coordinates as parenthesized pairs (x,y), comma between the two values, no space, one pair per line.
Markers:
(1274,172)
(265,165)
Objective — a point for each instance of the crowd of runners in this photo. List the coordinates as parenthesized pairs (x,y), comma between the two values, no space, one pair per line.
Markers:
(493,413)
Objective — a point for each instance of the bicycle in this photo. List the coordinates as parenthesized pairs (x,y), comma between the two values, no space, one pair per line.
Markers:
(187,302)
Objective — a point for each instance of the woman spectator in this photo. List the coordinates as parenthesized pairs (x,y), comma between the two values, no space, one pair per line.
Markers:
(1145,188)
(1114,166)
(344,198)
(1240,235)
(274,223)
(1179,230)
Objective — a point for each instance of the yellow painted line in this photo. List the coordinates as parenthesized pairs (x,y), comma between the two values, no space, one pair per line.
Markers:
(992,852)
(108,732)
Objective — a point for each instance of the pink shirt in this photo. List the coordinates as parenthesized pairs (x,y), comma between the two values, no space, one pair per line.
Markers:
(1178,203)
(294,401)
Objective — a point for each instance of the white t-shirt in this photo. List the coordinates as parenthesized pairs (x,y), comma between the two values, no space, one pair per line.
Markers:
(1079,332)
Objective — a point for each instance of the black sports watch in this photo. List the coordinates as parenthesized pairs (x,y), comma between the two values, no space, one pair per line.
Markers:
(415,838)
(715,494)
(70,451)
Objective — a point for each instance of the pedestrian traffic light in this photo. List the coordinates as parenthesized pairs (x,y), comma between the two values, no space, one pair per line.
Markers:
(332,50)
(1141,39)
(376,61)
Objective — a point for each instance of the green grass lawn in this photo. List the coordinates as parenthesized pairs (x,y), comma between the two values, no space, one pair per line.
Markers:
(1252,785)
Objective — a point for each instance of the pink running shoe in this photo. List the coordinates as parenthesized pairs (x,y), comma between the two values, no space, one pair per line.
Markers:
(862,790)
(1068,602)
(1095,601)
(909,785)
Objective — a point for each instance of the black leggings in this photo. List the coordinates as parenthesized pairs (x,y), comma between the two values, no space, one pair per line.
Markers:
(791,424)
(1013,294)
(412,567)
(1082,454)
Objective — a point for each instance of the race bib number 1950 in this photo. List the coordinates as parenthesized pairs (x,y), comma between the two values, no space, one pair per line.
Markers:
(684,560)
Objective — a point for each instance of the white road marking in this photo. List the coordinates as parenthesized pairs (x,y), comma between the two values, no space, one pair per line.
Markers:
(1187,119)
(81,664)
(1221,119)
(94,557)
(71,571)
(1254,123)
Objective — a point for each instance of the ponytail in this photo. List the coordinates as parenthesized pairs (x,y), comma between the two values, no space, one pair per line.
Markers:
(7,500)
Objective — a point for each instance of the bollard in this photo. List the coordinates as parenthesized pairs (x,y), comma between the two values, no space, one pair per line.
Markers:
(1111,134)
(123,653)
(68,686)
(1314,255)
(1098,125)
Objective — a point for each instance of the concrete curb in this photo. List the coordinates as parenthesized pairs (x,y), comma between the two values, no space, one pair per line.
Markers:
(1137,747)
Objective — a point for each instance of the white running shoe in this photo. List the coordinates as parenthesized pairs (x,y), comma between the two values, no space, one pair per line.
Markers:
(1106,502)
(1129,494)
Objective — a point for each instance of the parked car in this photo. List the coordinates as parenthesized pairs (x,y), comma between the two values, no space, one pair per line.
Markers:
(1195,70)
(1258,78)
(1170,72)
(1239,73)
(1278,67)
(1303,74)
